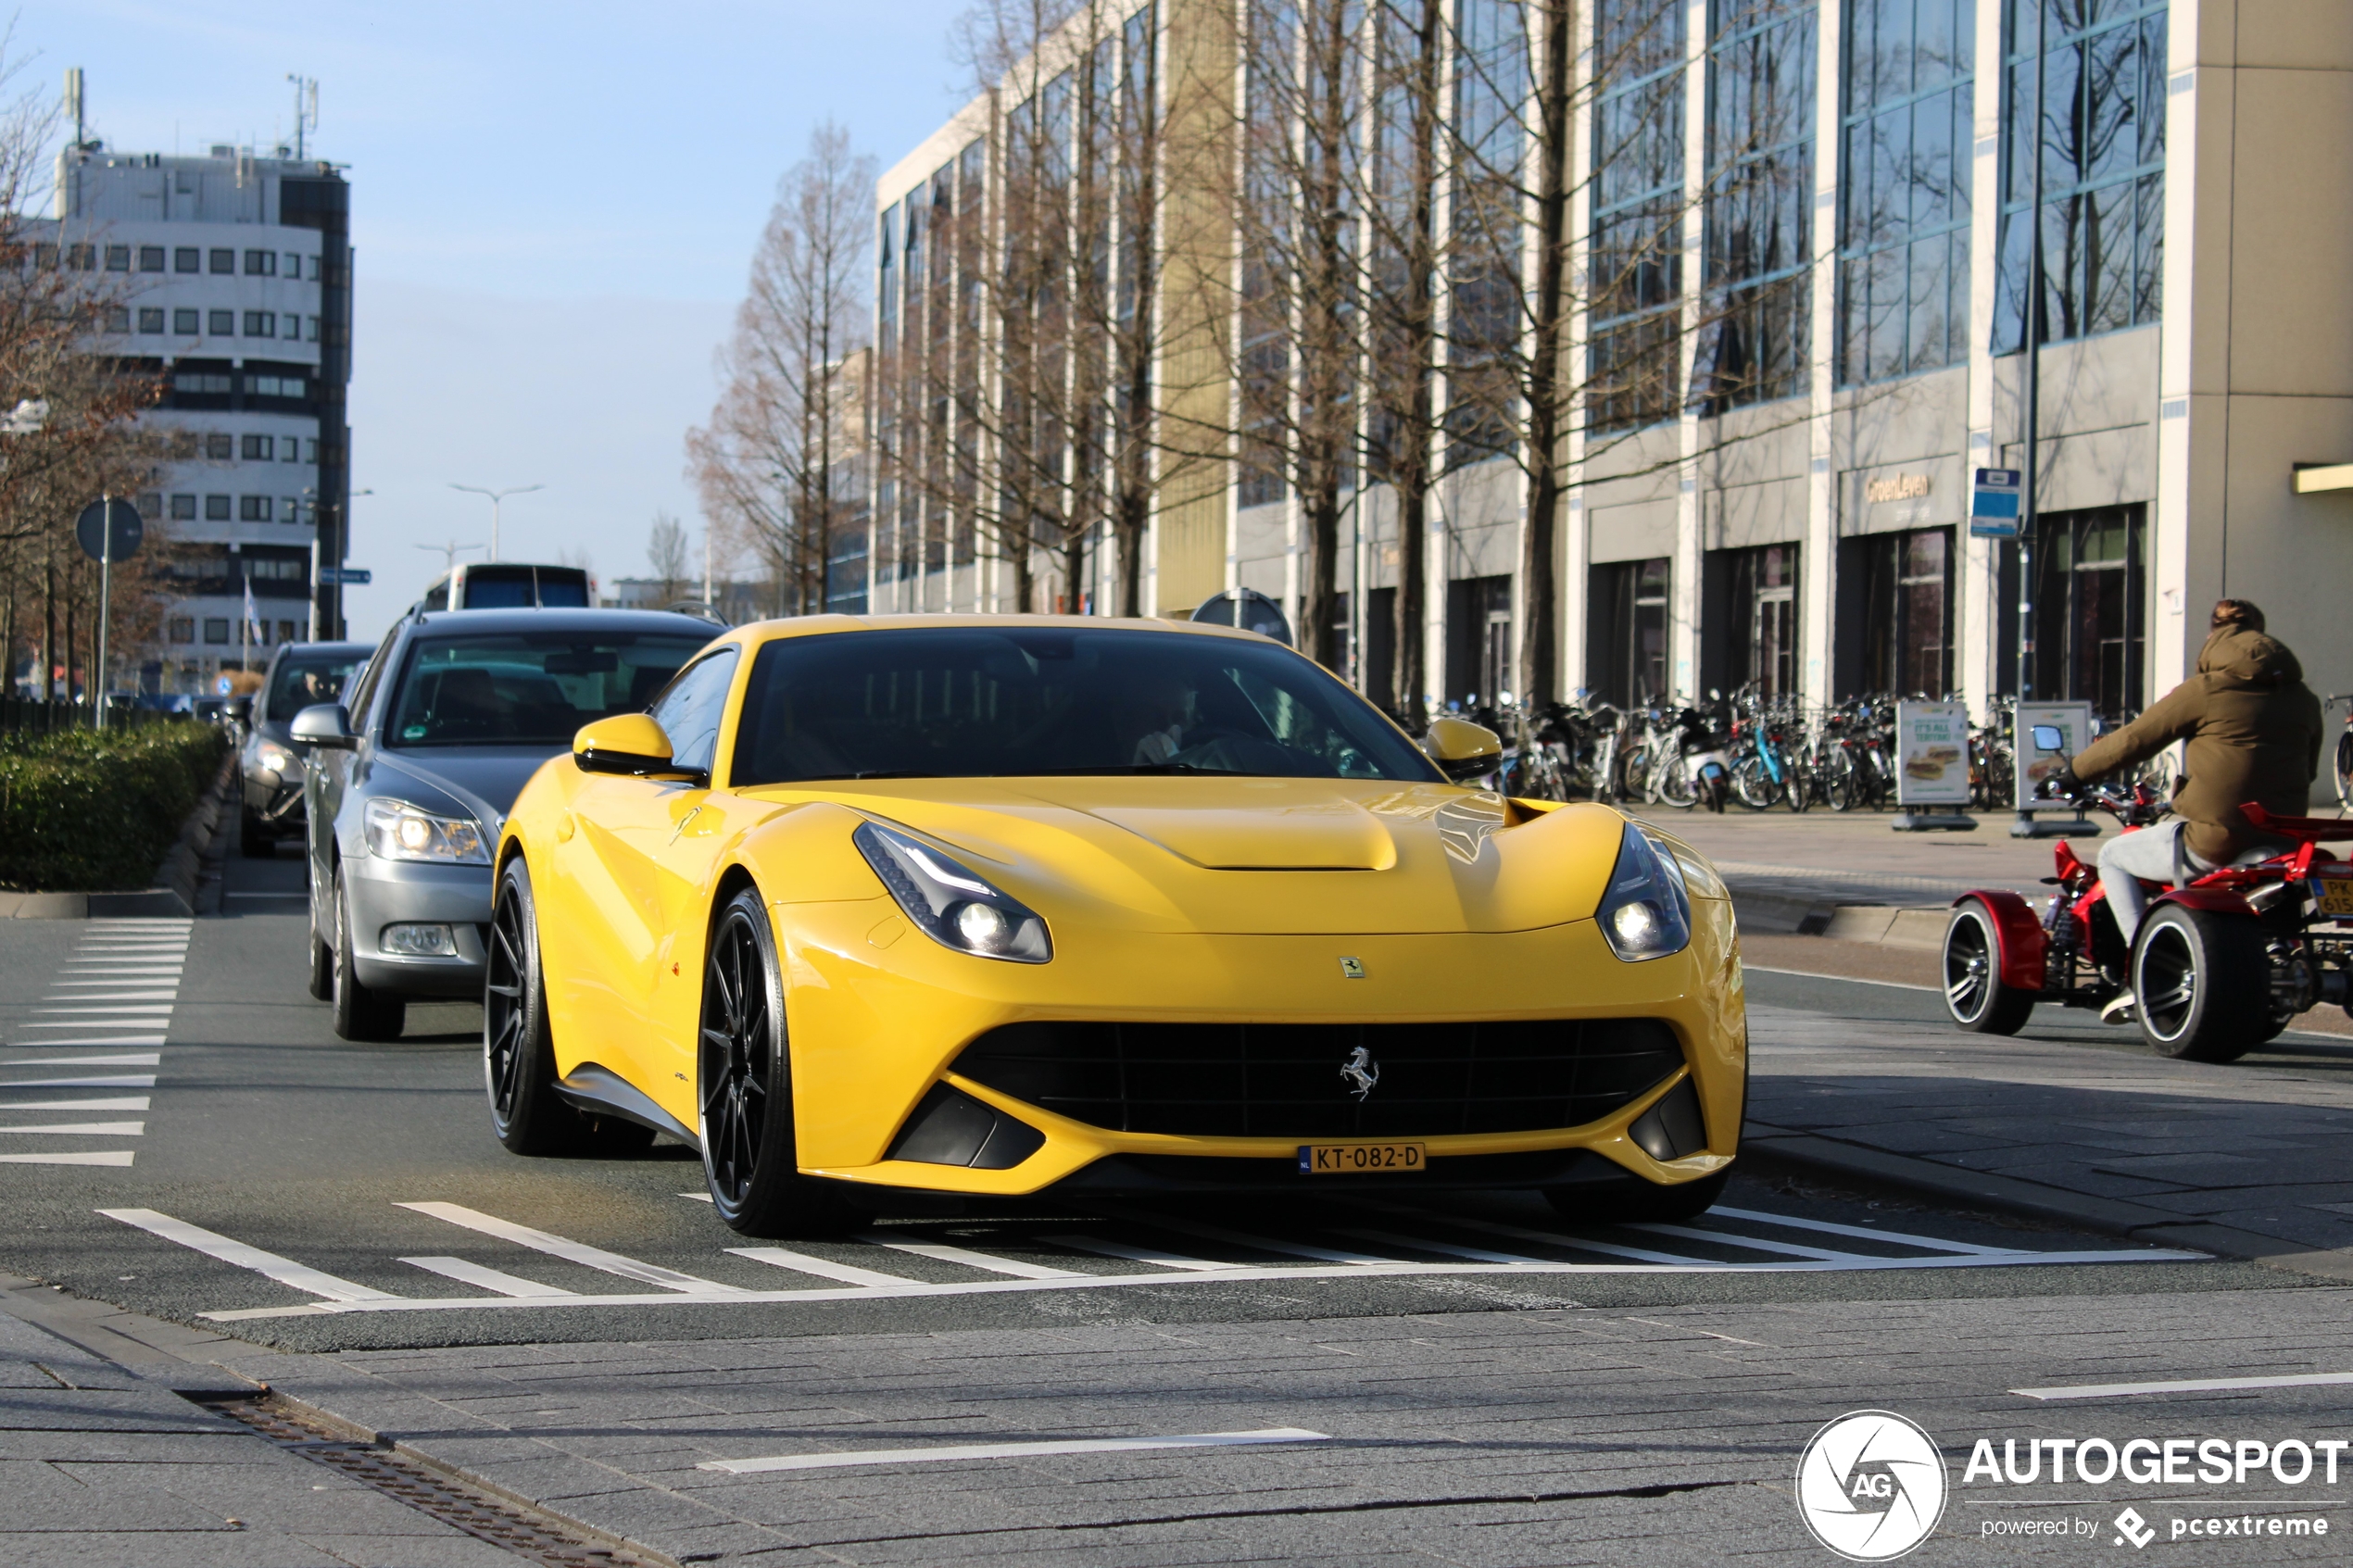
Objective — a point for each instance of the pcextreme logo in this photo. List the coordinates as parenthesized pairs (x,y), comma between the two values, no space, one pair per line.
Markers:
(1871,1486)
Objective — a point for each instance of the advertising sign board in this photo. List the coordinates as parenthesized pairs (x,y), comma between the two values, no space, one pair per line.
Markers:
(1932,754)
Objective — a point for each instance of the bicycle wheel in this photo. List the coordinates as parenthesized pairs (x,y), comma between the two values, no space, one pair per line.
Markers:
(1836,782)
(2344,769)
(1672,784)
(1752,785)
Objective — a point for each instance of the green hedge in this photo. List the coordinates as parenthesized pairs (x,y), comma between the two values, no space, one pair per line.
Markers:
(82,812)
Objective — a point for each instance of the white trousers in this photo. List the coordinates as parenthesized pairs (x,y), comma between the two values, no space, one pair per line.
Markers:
(2146,853)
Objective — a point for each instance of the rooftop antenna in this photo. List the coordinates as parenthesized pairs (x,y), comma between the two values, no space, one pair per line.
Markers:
(74,103)
(306,108)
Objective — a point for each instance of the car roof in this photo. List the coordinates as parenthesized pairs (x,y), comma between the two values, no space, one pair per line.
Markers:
(475,623)
(329,650)
(813,625)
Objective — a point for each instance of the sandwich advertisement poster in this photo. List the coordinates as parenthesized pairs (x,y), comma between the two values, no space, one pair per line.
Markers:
(1932,745)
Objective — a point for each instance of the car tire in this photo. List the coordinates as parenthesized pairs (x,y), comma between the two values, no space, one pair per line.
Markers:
(360,1014)
(518,1050)
(1633,1200)
(254,840)
(2202,983)
(743,1087)
(323,970)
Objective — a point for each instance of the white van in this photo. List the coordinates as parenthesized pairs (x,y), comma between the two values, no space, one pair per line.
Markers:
(499,585)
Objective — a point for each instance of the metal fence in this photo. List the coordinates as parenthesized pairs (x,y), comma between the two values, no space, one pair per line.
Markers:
(26,716)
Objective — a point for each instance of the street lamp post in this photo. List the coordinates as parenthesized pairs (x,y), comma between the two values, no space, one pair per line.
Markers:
(496,496)
(329,542)
(449,553)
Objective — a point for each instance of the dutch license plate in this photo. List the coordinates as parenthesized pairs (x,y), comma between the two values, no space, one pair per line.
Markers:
(1353,1158)
(2336,894)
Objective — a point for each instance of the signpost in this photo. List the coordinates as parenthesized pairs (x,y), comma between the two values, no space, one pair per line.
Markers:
(2074,720)
(346,576)
(1994,504)
(1932,767)
(109,530)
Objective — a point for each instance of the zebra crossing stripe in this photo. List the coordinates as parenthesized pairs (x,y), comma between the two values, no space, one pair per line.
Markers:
(285,1271)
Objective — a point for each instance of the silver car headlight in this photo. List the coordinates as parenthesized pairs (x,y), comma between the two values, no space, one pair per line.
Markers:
(955,906)
(275,759)
(398,830)
(1647,911)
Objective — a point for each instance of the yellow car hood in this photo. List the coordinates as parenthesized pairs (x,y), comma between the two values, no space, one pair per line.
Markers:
(1260,856)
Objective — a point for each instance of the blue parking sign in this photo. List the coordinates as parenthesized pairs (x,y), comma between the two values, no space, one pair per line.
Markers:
(1994,504)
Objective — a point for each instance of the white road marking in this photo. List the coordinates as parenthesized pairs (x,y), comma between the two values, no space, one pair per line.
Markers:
(144,1009)
(823,1268)
(1256,1243)
(112,993)
(1444,1249)
(1550,1238)
(1861,1232)
(285,1271)
(969,1259)
(1842,979)
(124,1102)
(490,1279)
(575,1251)
(144,1059)
(2187,1386)
(1144,1254)
(95,1157)
(1754,1244)
(90,1040)
(125,1081)
(1012,1450)
(92,1129)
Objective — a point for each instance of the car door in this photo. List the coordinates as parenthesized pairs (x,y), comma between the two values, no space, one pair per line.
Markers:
(642,851)
(326,776)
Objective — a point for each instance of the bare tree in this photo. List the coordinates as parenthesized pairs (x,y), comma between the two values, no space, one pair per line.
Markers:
(776,467)
(666,553)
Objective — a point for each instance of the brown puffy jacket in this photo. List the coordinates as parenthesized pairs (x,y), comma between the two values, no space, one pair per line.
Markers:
(2254,734)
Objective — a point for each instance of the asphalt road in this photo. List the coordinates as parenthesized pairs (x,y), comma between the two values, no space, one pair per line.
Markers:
(243,1153)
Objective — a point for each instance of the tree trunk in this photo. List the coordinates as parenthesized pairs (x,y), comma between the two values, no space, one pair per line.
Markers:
(1548,394)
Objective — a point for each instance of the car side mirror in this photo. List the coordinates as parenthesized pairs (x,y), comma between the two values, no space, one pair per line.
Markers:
(2050,737)
(326,725)
(1462,749)
(629,743)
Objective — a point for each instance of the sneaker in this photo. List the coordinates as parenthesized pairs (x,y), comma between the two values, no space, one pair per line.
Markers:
(2120,1008)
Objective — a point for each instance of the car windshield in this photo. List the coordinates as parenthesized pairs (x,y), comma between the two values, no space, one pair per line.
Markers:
(972,702)
(305,680)
(526,689)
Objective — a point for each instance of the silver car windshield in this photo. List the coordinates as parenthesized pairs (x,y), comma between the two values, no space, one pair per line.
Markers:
(528,689)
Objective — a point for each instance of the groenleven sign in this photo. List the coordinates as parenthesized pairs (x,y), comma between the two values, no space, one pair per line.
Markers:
(1895,487)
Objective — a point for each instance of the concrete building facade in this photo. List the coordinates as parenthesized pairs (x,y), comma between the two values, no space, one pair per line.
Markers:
(2192,336)
(234,286)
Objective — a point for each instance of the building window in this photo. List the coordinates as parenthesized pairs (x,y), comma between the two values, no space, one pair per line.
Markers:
(186,323)
(151,259)
(151,319)
(186,258)
(216,508)
(82,258)
(286,631)
(183,629)
(276,386)
(1749,620)
(219,446)
(215,629)
(117,318)
(1491,94)
(1907,612)
(224,323)
(253,508)
(118,259)
(1626,647)
(314,329)
(183,509)
(290,328)
(293,264)
(1904,185)
(44,259)
(224,261)
(1760,181)
(200,382)
(2087,638)
(310,451)
(1637,204)
(257,448)
(150,505)
(262,323)
(2102,152)
(261,264)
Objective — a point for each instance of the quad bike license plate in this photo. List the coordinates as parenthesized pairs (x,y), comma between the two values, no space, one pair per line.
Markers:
(1355,1158)
(2335,895)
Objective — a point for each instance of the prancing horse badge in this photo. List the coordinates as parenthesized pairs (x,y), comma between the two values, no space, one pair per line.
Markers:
(1351,969)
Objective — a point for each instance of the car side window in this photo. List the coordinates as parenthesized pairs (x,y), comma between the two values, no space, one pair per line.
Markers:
(689,710)
(363,691)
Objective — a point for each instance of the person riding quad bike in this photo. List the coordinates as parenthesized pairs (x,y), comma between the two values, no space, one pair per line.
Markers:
(2253,730)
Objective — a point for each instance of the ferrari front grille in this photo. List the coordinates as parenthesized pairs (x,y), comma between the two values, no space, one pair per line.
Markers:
(1310,1080)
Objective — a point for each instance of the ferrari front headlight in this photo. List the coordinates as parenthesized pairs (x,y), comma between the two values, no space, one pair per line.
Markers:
(398,830)
(1647,911)
(955,906)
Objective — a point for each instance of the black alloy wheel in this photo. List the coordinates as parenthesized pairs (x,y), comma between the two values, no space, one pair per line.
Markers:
(360,1012)
(1974,995)
(323,969)
(2203,984)
(743,1085)
(517,1048)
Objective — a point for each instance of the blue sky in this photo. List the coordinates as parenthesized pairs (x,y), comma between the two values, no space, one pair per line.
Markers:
(553,205)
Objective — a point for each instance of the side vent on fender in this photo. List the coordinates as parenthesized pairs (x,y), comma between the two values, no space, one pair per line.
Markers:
(1673,1127)
(949,1127)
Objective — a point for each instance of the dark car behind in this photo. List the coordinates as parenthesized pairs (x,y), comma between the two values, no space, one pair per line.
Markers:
(300,675)
(408,795)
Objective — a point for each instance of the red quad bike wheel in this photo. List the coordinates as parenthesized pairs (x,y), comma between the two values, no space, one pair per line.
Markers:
(1974,994)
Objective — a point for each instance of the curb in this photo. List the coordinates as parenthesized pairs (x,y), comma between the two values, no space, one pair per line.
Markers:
(2101,1216)
(174,894)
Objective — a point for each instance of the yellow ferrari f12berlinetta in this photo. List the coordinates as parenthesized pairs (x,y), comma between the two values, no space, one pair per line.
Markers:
(995,905)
